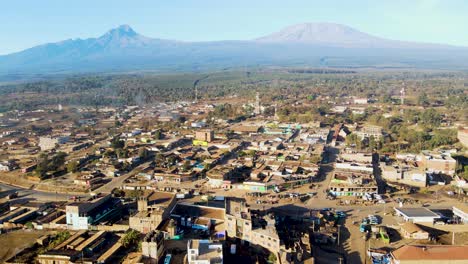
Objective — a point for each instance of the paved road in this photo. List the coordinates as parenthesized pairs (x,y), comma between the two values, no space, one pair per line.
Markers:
(6,189)
(118,181)
(33,194)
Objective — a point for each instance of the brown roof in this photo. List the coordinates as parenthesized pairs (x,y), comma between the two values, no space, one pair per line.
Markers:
(251,129)
(431,252)
(198,211)
(411,228)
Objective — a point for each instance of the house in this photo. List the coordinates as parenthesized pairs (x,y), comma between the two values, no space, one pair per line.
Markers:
(8,166)
(413,231)
(345,183)
(417,215)
(241,223)
(204,135)
(83,214)
(368,131)
(153,245)
(405,174)
(48,143)
(197,216)
(204,252)
(461,211)
(429,254)
(361,101)
(246,129)
(153,208)
(439,162)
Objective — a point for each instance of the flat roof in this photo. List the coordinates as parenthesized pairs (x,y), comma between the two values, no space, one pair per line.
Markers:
(198,211)
(417,212)
(431,252)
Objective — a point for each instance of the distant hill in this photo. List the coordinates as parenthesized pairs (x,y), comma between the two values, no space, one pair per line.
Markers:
(331,34)
(310,44)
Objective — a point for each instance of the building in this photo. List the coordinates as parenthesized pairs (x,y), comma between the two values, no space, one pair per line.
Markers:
(83,247)
(8,166)
(439,162)
(413,231)
(241,223)
(197,216)
(417,215)
(370,131)
(461,211)
(345,183)
(48,143)
(204,252)
(404,174)
(152,246)
(81,215)
(361,101)
(429,254)
(153,208)
(205,135)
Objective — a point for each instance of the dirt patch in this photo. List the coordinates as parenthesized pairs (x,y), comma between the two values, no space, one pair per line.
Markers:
(15,241)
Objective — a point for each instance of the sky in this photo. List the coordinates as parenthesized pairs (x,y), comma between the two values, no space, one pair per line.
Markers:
(26,23)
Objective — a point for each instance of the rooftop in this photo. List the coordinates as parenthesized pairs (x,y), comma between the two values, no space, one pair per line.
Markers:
(431,252)
(199,211)
(207,250)
(417,212)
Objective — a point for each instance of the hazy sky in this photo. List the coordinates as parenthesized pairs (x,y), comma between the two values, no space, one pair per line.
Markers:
(25,23)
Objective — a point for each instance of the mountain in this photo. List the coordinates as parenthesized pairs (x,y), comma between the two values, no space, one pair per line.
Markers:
(309,44)
(337,35)
(323,34)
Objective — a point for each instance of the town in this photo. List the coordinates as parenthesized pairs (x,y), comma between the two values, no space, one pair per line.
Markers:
(308,177)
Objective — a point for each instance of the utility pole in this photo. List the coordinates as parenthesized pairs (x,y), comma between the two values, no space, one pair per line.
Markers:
(339,229)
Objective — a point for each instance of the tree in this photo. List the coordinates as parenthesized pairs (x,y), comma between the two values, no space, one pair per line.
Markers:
(157,135)
(131,238)
(121,153)
(118,192)
(423,100)
(372,143)
(42,165)
(186,166)
(117,143)
(431,118)
(57,161)
(143,153)
(272,258)
(72,166)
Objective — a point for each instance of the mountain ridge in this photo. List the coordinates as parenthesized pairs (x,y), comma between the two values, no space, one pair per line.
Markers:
(307,43)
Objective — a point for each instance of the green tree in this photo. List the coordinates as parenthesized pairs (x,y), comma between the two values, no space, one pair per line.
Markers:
(117,143)
(272,258)
(42,165)
(186,166)
(130,238)
(57,161)
(143,153)
(423,100)
(72,166)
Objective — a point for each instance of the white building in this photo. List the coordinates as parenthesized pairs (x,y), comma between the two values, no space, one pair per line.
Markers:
(204,252)
(417,215)
(48,143)
(79,215)
(361,101)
